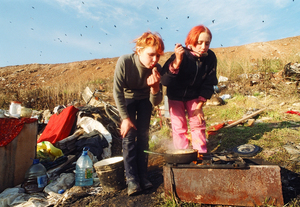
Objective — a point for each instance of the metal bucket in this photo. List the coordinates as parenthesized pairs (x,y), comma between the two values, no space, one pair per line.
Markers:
(111,174)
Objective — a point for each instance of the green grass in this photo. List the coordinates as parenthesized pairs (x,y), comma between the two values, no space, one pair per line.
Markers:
(274,115)
(270,65)
(234,68)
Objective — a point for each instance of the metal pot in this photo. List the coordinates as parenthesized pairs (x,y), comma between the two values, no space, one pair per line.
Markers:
(178,156)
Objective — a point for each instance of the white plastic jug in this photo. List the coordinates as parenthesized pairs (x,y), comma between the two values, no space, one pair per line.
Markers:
(84,170)
(15,108)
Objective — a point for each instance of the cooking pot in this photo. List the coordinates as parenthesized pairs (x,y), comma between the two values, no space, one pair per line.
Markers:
(178,156)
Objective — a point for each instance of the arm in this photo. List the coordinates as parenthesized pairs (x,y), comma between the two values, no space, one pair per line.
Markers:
(199,109)
(172,65)
(179,50)
(153,81)
(155,87)
(118,88)
(210,79)
(118,92)
(155,99)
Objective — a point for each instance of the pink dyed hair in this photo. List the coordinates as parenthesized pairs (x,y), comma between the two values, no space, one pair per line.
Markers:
(193,35)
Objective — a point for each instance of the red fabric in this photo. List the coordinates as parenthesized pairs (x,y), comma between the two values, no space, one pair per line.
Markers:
(59,126)
(212,130)
(10,128)
(293,112)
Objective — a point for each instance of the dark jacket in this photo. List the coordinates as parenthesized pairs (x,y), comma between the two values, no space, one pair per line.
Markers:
(196,77)
(130,82)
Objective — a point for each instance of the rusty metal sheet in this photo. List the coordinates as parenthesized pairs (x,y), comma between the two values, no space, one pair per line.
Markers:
(241,187)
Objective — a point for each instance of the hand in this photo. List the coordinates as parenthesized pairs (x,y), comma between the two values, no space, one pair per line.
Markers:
(153,81)
(126,125)
(179,50)
(199,112)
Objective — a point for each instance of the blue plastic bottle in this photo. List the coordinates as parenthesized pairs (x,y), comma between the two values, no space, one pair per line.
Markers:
(84,170)
(35,177)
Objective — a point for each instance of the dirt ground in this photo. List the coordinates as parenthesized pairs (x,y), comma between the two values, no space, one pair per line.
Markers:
(151,197)
(38,75)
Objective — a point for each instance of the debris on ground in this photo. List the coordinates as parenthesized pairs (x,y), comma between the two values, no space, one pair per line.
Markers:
(66,132)
(292,71)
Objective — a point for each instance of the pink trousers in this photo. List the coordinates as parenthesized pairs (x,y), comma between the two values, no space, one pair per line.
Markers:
(178,111)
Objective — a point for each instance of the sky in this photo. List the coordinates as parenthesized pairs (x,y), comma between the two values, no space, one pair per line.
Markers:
(62,31)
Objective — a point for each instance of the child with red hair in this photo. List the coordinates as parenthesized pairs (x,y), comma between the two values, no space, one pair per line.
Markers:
(136,89)
(190,74)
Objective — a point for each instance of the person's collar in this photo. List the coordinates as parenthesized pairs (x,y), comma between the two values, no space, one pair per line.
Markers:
(194,54)
(191,51)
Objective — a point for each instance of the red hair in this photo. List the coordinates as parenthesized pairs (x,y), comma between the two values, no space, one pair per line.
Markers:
(193,35)
(149,39)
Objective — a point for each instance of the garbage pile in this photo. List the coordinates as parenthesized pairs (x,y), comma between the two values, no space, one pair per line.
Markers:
(292,71)
(51,178)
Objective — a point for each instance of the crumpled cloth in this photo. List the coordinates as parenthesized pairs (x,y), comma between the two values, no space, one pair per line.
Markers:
(212,130)
(10,128)
(59,126)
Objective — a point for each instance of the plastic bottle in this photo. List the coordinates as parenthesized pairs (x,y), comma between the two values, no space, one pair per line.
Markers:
(84,170)
(216,89)
(35,177)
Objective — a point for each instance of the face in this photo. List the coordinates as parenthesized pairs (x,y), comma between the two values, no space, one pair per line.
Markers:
(203,43)
(148,56)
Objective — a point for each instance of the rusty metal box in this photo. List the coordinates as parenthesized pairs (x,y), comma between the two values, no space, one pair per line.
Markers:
(255,186)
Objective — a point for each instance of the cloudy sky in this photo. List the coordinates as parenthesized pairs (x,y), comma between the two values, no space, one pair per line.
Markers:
(61,31)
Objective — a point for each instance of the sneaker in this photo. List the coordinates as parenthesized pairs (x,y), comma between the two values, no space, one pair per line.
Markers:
(133,188)
(146,184)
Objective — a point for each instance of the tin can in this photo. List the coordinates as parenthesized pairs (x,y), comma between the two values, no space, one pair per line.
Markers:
(25,112)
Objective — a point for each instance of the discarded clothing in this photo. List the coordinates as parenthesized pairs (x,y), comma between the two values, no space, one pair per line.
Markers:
(10,128)
(59,126)
(95,141)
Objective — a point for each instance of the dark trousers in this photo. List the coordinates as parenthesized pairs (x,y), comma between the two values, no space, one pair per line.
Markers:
(136,141)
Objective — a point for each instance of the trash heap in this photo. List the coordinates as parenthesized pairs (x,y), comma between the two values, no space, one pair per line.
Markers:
(60,143)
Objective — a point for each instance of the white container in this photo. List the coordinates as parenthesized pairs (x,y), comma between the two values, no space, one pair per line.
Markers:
(84,170)
(15,108)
